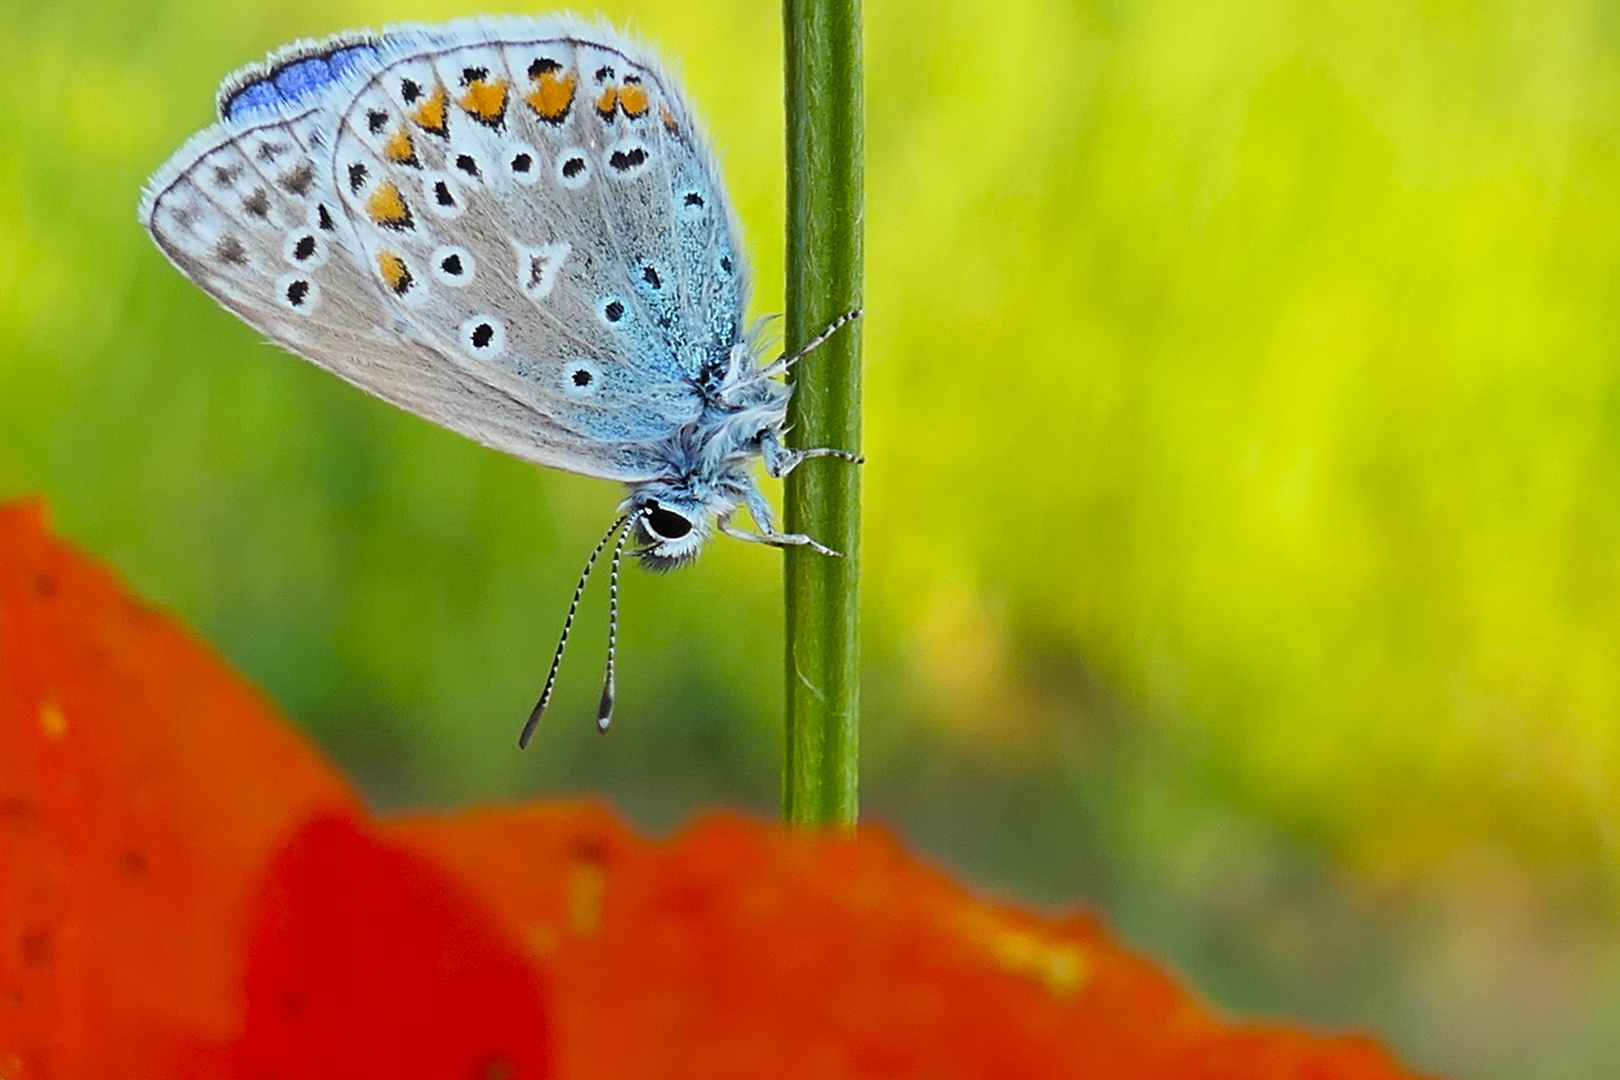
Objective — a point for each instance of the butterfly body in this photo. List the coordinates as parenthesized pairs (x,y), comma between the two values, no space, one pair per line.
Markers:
(512,227)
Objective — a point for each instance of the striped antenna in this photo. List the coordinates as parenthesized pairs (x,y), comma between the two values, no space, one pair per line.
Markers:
(781,364)
(568,624)
(604,710)
(820,339)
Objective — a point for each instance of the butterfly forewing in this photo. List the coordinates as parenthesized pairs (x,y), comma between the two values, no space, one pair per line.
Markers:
(510,205)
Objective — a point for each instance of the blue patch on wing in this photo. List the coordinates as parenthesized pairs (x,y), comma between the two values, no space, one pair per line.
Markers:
(296,81)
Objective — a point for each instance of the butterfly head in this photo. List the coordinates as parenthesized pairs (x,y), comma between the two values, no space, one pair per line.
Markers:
(671,530)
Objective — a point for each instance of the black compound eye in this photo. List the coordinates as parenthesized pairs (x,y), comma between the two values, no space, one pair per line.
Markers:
(667,524)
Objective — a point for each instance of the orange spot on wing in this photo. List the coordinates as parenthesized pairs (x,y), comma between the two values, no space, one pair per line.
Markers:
(633,97)
(400,149)
(605,103)
(394,272)
(553,95)
(387,206)
(485,101)
(430,115)
(669,121)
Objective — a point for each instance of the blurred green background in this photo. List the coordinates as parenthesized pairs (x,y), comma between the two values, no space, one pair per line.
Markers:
(1243,508)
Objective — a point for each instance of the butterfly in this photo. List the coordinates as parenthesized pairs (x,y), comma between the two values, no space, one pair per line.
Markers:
(514,228)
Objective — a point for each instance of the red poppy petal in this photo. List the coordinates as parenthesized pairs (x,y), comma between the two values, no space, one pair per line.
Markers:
(143,786)
(371,961)
(736,950)
(145,794)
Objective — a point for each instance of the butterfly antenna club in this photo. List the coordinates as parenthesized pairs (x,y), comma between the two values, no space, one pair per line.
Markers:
(604,710)
(568,624)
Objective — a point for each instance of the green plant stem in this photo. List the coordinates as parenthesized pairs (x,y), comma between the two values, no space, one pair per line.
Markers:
(824,252)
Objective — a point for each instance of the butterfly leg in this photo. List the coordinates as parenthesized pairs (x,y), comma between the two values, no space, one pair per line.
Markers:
(760,511)
(779,460)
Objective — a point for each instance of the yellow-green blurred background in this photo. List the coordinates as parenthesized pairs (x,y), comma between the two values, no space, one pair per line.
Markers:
(1243,508)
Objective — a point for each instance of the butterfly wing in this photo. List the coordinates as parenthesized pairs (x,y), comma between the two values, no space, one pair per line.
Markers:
(498,305)
(520,189)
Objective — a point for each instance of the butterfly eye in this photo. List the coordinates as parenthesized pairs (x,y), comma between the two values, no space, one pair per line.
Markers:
(667,524)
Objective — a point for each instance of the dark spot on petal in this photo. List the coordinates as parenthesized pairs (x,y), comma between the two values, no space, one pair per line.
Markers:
(38,946)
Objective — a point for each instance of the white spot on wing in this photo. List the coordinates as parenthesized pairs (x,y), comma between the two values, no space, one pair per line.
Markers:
(538,268)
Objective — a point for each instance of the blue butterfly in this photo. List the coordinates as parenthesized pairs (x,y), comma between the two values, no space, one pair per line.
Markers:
(514,228)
